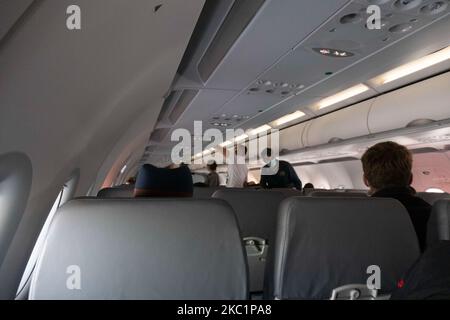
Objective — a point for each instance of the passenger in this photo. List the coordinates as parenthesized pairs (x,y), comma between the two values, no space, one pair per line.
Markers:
(307,188)
(237,172)
(309,185)
(162,182)
(284,177)
(212,179)
(387,170)
(131,181)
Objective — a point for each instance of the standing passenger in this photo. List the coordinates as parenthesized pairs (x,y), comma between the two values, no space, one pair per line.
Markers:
(237,170)
(212,179)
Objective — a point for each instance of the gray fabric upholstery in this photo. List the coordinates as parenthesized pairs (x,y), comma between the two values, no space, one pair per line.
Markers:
(256,211)
(338,194)
(205,192)
(439,222)
(432,197)
(124,191)
(143,249)
(324,243)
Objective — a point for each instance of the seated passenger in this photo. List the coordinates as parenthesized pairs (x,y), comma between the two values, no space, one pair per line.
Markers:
(284,177)
(212,179)
(387,172)
(162,182)
(309,187)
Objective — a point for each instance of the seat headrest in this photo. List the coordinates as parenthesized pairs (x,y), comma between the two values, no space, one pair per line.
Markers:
(162,182)
(338,194)
(439,222)
(142,249)
(432,197)
(256,210)
(325,243)
(125,191)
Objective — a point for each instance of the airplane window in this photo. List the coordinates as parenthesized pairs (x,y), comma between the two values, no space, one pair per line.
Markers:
(434,190)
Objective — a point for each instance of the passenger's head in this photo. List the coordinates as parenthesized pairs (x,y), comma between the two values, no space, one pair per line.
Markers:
(267,155)
(162,182)
(308,186)
(387,164)
(212,166)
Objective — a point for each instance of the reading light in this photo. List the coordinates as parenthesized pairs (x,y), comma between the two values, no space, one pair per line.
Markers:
(259,130)
(289,118)
(414,66)
(343,95)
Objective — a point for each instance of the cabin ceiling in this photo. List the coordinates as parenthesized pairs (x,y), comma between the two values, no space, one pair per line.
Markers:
(271,68)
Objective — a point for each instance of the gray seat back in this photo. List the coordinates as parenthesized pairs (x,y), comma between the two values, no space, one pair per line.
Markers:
(338,194)
(204,192)
(325,243)
(432,197)
(439,222)
(256,211)
(142,249)
(125,191)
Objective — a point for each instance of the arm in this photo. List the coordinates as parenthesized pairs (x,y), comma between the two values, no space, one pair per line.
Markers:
(293,177)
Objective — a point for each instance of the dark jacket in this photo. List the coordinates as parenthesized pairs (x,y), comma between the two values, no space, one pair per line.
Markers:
(286,177)
(418,209)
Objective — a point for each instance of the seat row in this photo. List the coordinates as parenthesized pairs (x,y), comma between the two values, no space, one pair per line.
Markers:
(294,248)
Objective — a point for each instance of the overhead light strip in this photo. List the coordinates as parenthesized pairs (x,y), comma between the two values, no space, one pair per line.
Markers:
(414,66)
(289,118)
(343,95)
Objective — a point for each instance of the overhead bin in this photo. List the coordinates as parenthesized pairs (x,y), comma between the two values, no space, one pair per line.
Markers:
(292,138)
(426,100)
(344,124)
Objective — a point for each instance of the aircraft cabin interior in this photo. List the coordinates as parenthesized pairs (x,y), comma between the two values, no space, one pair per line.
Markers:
(251,150)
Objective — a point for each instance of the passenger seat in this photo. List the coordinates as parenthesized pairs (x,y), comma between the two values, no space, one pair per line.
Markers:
(142,249)
(432,197)
(256,211)
(124,191)
(439,222)
(326,243)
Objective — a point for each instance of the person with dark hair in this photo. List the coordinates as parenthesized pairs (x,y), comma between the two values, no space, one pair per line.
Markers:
(279,174)
(387,170)
(309,185)
(163,182)
(212,179)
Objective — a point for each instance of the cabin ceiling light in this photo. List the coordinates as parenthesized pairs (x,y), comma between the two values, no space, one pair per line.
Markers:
(333,53)
(259,130)
(240,138)
(343,95)
(414,66)
(289,118)
(226,143)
